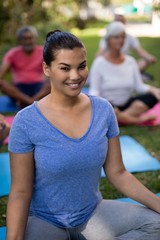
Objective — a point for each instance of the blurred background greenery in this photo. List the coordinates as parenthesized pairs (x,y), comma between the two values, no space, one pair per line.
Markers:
(66,14)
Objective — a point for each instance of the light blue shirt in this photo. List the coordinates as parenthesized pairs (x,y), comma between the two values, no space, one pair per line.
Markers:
(67,171)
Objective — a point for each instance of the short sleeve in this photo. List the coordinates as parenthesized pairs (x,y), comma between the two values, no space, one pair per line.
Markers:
(113,128)
(19,141)
(7,59)
(134,42)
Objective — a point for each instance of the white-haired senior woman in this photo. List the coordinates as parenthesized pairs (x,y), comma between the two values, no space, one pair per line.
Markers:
(116,77)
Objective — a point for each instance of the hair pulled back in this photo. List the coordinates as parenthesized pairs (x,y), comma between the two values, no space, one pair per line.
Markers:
(57,40)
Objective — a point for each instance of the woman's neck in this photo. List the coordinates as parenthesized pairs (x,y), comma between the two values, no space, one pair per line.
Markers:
(114,56)
(57,101)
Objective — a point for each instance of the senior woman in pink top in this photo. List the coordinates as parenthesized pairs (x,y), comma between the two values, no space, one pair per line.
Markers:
(25,64)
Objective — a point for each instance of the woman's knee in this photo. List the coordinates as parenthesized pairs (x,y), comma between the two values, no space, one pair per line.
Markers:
(139,106)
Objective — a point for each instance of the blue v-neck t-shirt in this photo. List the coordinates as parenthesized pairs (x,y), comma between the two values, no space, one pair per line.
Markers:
(67,170)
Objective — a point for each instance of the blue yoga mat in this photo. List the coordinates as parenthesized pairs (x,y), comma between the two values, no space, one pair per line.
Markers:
(5,178)
(2,233)
(129,200)
(7,105)
(85,90)
(135,157)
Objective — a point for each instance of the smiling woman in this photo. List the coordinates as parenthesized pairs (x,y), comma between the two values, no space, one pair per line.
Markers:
(68,71)
(58,146)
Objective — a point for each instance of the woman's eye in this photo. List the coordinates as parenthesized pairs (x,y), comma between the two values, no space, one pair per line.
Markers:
(82,66)
(65,69)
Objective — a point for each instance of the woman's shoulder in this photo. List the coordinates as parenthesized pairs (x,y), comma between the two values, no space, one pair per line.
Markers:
(130,59)
(27,112)
(100,102)
(99,59)
(103,109)
(98,63)
(13,51)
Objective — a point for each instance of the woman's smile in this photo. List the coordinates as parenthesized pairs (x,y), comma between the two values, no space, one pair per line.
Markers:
(74,85)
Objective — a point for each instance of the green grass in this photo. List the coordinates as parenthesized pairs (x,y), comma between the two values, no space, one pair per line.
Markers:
(149,137)
(3,202)
(150,179)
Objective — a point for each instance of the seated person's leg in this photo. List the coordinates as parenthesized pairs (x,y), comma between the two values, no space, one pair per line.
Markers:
(122,221)
(15,93)
(38,229)
(30,89)
(35,90)
(131,112)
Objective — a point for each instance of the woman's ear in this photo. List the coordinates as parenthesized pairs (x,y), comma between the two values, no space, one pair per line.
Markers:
(46,69)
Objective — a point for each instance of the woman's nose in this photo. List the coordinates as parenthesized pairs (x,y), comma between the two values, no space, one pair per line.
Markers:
(74,74)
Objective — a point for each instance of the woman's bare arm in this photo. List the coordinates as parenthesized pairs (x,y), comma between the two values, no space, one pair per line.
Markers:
(4,68)
(22,174)
(126,182)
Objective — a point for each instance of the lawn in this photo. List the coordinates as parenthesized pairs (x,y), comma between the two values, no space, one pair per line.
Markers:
(149,137)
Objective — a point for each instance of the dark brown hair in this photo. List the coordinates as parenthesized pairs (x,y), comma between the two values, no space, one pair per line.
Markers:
(57,40)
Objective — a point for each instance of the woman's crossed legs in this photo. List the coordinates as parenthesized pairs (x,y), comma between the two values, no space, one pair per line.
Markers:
(112,220)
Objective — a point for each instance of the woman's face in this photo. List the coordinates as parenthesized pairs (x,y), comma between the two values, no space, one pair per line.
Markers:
(116,42)
(68,72)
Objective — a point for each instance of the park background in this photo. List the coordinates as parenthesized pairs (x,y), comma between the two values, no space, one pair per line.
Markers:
(87,20)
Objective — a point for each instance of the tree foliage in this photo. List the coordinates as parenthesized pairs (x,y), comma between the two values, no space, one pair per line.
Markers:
(156,6)
(44,14)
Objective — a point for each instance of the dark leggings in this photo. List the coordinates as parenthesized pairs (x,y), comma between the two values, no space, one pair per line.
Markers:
(149,99)
(30,89)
